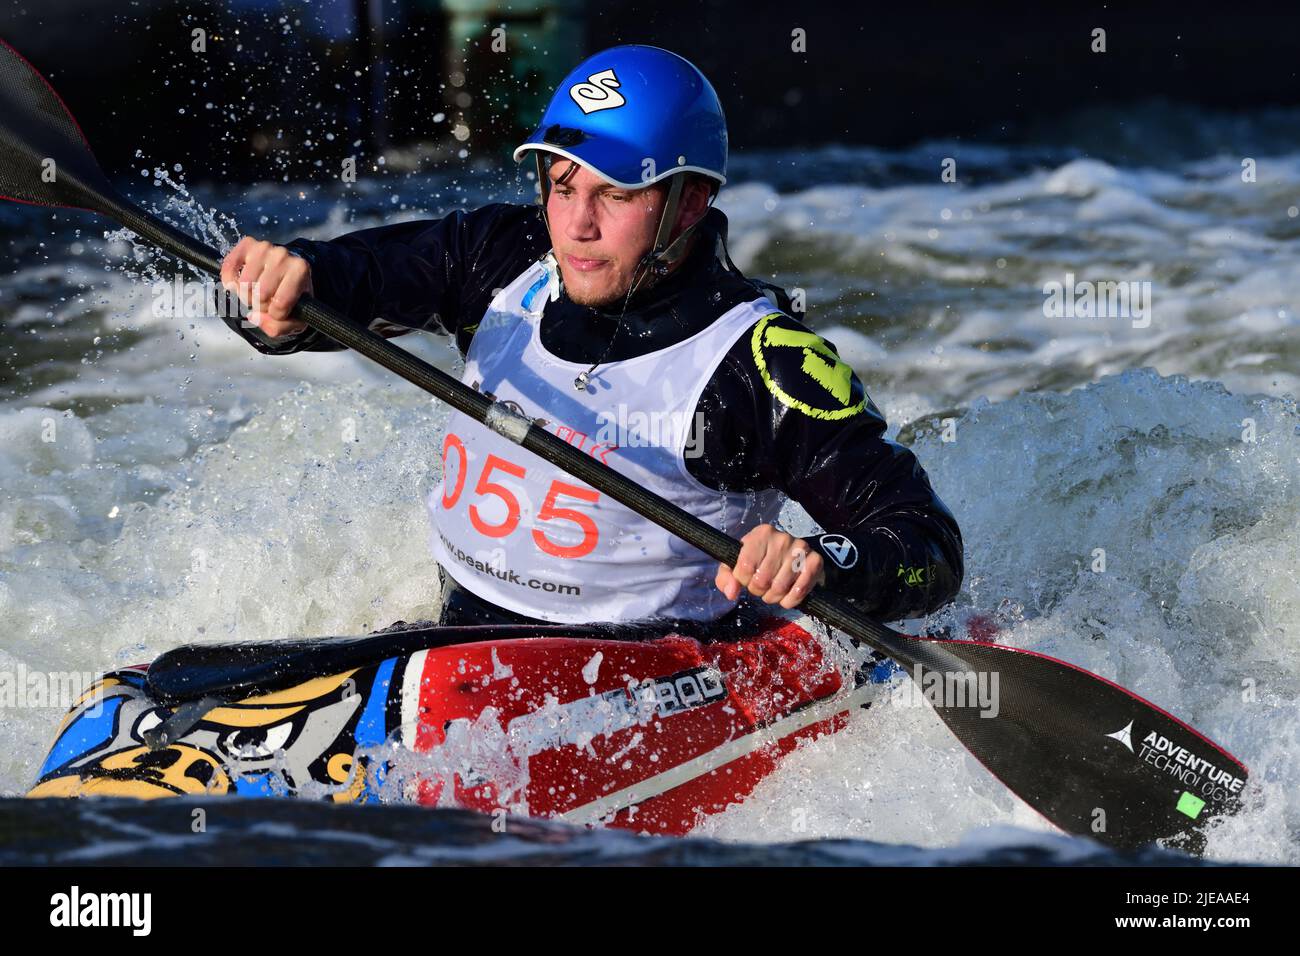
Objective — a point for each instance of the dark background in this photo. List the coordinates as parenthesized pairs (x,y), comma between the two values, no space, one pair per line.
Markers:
(882,74)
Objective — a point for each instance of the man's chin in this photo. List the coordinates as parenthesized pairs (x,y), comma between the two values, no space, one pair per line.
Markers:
(594,298)
(593,301)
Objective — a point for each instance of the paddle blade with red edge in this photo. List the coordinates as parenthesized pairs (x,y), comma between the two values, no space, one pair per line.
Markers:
(44,158)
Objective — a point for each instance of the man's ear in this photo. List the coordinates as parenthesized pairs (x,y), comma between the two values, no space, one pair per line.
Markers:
(693,203)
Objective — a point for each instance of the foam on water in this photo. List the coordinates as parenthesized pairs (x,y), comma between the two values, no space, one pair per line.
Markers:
(947,280)
(1197,609)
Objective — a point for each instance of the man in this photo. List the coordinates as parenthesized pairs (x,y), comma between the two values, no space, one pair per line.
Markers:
(613,313)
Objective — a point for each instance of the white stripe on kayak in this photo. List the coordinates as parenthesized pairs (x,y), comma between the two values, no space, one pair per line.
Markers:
(412,680)
(734,749)
(412,686)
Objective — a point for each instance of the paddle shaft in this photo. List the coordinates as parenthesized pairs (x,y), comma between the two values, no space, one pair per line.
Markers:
(819,603)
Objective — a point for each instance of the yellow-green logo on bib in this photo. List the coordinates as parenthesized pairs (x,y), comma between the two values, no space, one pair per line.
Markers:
(832,378)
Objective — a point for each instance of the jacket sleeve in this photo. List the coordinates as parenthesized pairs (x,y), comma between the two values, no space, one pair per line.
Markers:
(429,275)
(890,544)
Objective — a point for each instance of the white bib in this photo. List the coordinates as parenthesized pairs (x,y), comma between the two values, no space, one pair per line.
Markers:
(524,535)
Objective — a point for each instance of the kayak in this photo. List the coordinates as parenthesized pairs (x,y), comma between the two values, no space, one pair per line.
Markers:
(650,735)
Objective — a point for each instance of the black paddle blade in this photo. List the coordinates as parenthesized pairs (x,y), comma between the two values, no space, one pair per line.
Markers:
(44,158)
(1091,757)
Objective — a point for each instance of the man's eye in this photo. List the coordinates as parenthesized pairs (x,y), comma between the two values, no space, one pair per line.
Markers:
(619,197)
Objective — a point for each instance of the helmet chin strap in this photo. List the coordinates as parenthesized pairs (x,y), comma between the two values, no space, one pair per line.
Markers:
(661,258)
(543,185)
(664,253)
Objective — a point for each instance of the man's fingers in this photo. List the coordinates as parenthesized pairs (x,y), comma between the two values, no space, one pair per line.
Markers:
(773,565)
(752,551)
(287,292)
(234,262)
(811,573)
(770,566)
(246,285)
(251,275)
(295,284)
(788,572)
(727,582)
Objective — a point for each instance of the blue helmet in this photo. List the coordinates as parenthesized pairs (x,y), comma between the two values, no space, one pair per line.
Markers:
(634,115)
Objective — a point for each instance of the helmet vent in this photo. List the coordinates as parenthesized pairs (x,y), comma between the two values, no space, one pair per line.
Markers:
(563,136)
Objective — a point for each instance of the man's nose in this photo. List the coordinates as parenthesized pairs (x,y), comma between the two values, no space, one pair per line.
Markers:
(582,226)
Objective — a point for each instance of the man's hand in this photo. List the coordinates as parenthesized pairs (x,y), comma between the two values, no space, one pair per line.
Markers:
(268,279)
(773,565)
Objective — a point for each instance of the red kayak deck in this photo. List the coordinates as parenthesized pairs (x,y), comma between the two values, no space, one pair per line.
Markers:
(646,736)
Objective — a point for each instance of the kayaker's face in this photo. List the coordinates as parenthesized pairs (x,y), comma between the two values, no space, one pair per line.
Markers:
(601,231)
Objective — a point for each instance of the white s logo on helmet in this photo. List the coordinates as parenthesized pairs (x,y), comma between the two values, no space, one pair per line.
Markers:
(598,93)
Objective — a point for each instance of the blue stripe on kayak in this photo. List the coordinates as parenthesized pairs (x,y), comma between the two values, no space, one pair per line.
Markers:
(370,728)
(85,733)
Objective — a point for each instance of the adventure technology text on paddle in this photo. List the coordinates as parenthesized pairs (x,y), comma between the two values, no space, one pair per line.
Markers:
(1074,746)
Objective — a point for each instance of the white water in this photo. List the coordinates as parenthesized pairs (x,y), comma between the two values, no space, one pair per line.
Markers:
(1198,608)
(197,490)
